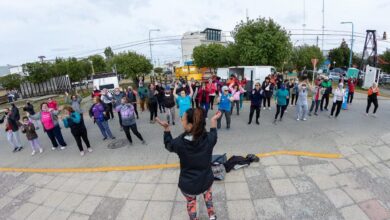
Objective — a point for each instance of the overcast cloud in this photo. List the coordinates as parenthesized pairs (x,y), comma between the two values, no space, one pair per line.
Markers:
(29,28)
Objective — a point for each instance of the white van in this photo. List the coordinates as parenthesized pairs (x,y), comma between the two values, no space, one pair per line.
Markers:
(105,81)
(253,74)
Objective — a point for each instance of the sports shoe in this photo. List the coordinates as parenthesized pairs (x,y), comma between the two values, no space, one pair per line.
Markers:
(144,142)
(366,114)
(90,150)
(315,114)
(304,119)
(263,108)
(173,123)
(20,148)
(280,119)
(309,114)
(33,153)
(40,150)
(105,138)
(285,111)
(274,121)
(297,119)
(82,153)
(15,149)
(53,148)
(257,122)
(62,148)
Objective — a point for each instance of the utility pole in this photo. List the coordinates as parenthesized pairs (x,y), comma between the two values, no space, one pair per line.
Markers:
(304,21)
(150,46)
(323,24)
(247,16)
(317,41)
(351,53)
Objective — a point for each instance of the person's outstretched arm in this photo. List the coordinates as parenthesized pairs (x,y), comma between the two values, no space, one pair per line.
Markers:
(169,142)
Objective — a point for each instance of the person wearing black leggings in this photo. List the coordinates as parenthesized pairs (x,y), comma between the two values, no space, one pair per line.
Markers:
(338,98)
(372,97)
(268,89)
(153,102)
(281,102)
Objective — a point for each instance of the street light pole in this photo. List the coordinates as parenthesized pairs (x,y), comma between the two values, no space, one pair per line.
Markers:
(350,54)
(150,46)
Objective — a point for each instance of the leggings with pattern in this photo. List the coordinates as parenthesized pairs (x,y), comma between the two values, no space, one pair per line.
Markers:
(191,204)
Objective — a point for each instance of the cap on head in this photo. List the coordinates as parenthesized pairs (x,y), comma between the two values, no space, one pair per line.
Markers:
(225,88)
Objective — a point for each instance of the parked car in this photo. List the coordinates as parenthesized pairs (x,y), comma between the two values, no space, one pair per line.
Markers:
(333,76)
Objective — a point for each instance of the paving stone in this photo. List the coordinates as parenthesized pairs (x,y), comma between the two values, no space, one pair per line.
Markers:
(55,199)
(101,188)
(180,211)
(252,172)
(303,184)
(287,160)
(305,161)
(33,179)
(343,164)
(323,181)
(71,202)
(85,186)
(158,210)
(353,213)
(219,192)
(40,196)
(17,190)
(283,187)
(5,200)
(56,183)
(338,197)
(327,169)
(344,179)
(113,176)
(374,210)
(235,176)
(221,209)
(260,188)
(237,191)
(132,210)
(150,176)
(383,169)
(358,194)
(383,152)
(275,172)
(108,208)
(347,151)
(121,190)
(269,161)
(312,205)
(25,210)
(70,185)
(77,216)
(370,156)
(131,176)
(241,209)
(269,209)
(142,191)
(59,215)
(42,212)
(359,161)
(89,204)
(170,176)
(165,192)
(293,171)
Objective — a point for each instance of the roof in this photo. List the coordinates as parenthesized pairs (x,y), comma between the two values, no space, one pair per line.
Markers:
(4,70)
(211,29)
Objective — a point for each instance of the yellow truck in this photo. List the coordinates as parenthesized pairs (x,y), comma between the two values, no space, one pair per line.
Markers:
(189,72)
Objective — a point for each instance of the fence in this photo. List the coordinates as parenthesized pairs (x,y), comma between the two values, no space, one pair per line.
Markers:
(52,86)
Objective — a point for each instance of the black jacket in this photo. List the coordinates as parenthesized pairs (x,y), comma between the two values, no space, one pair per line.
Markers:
(29,108)
(256,96)
(169,101)
(196,175)
(270,92)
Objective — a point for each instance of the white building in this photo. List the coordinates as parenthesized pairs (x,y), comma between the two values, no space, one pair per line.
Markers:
(192,39)
(16,70)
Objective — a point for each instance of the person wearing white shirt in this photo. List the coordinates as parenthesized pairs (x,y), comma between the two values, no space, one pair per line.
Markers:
(338,98)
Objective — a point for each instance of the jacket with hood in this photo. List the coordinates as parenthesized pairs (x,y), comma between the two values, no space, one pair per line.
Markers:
(29,108)
(75,122)
(196,175)
(127,114)
(118,97)
(76,104)
(29,130)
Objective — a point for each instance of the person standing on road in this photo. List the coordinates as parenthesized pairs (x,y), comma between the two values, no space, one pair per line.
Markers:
(169,103)
(152,102)
(327,90)
(281,102)
(224,106)
(126,110)
(212,88)
(30,109)
(302,105)
(75,122)
(268,89)
(373,93)
(194,148)
(131,95)
(107,99)
(99,113)
(338,99)
(142,93)
(236,91)
(351,89)
(184,100)
(204,98)
(96,92)
(287,85)
(52,104)
(242,83)
(12,128)
(256,97)
(160,97)
(75,102)
(29,129)
(316,91)
(49,119)
(117,97)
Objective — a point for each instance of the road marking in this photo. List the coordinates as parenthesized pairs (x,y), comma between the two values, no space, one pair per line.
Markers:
(155,166)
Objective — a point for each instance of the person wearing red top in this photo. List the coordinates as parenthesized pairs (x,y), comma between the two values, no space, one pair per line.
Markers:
(96,93)
(204,98)
(212,88)
(351,89)
(52,104)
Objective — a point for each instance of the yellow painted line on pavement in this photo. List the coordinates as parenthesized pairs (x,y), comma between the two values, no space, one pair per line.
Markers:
(153,167)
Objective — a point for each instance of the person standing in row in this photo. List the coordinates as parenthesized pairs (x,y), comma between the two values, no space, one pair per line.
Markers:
(75,102)
(256,97)
(52,104)
(49,119)
(12,128)
(169,103)
(160,97)
(98,113)
(142,93)
(107,99)
(302,105)
(338,99)
(316,91)
(236,91)
(268,89)
(30,109)
(152,102)
(117,97)
(126,110)
(194,148)
(287,85)
(372,97)
(96,92)
(242,83)
(195,87)
(131,95)
(281,103)
(184,100)
(351,89)
(294,91)
(75,122)
(204,98)
(212,88)
(224,106)
(327,89)
(29,129)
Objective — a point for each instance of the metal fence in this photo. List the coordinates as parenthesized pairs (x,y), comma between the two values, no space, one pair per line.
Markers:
(52,86)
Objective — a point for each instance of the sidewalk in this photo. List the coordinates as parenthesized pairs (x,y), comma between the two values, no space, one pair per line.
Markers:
(281,187)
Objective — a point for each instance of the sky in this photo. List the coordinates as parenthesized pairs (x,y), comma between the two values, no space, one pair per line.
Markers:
(54,28)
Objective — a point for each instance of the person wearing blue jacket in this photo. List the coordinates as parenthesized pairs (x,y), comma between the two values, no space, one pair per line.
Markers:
(281,102)
(256,97)
(224,106)
(75,122)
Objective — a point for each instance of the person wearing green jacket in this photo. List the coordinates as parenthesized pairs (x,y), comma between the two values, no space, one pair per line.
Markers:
(327,88)
(142,93)
(281,96)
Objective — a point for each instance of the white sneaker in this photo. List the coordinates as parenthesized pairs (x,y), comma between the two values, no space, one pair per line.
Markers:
(366,114)
(90,150)
(40,150)
(285,111)
(53,148)
(263,108)
(304,119)
(33,153)
(81,153)
(297,119)
(63,148)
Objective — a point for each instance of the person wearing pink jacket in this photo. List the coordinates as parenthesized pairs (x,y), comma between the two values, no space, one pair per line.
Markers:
(236,91)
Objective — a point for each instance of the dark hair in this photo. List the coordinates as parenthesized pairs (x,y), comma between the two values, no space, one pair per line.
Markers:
(25,117)
(196,118)
(98,99)
(69,109)
(126,99)
(43,103)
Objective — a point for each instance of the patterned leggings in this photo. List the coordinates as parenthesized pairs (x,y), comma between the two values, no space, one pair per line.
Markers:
(191,204)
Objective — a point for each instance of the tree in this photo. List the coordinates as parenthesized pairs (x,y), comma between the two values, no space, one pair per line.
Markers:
(131,64)
(262,42)
(301,56)
(108,53)
(11,81)
(158,70)
(211,56)
(232,55)
(98,62)
(386,57)
(38,71)
(340,55)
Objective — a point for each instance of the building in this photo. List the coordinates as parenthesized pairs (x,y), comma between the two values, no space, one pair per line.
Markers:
(192,39)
